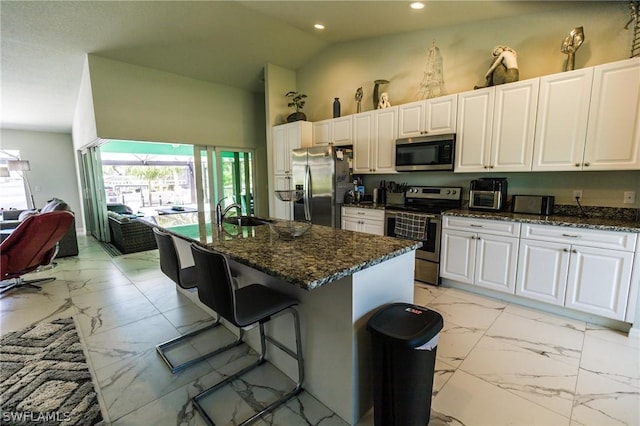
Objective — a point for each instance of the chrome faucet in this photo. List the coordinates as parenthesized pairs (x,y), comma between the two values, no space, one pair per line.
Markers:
(220,213)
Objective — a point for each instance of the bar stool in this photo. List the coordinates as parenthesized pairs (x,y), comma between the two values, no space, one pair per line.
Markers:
(186,278)
(244,307)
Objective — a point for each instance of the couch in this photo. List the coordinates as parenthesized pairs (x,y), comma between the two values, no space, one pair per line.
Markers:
(68,245)
(129,235)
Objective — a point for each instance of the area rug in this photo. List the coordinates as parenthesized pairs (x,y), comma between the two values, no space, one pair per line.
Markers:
(44,377)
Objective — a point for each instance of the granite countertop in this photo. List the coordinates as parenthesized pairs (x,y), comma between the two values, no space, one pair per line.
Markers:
(320,256)
(610,223)
(365,205)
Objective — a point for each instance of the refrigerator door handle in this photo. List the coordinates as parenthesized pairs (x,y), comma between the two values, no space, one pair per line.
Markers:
(307,193)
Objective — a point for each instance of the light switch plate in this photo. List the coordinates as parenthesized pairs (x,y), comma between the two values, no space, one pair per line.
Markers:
(629,197)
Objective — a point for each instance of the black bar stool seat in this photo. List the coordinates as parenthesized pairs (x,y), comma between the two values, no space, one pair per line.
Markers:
(244,307)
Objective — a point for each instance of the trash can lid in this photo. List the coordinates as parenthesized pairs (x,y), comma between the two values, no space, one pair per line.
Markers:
(406,324)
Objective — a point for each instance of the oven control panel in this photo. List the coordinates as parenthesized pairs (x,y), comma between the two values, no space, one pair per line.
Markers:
(452,193)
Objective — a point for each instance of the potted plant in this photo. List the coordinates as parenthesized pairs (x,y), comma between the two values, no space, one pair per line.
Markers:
(297,102)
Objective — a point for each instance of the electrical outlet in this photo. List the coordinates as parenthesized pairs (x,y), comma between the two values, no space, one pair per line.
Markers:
(629,197)
(577,194)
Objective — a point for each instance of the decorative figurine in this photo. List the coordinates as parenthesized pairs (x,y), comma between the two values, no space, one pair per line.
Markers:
(570,45)
(384,101)
(376,98)
(504,68)
(432,84)
(358,99)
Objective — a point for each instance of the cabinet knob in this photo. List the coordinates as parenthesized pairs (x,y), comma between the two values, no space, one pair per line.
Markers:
(587,164)
(491,167)
(486,167)
(566,250)
(574,251)
(577,164)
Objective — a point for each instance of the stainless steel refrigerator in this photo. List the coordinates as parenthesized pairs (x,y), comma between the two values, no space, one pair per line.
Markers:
(323,174)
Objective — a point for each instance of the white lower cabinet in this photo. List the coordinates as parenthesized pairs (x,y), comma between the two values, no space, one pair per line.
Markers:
(480,252)
(599,281)
(370,221)
(581,269)
(542,271)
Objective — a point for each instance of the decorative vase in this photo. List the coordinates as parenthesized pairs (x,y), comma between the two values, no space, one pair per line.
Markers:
(336,107)
(296,116)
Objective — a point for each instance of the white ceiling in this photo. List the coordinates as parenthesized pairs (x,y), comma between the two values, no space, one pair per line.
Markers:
(44,43)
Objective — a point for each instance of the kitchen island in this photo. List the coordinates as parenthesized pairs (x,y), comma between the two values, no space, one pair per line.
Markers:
(340,278)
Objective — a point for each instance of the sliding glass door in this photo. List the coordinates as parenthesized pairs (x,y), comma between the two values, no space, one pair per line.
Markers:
(95,205)
(226,176)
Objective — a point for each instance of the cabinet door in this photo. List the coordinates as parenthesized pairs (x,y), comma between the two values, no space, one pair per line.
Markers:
(440,115)
(599,281)
(322,132)
(496,262)
(373,227)
(282,209)
(386,133)
(286,138)
(561,123)
(514,120)
(543,268)
(458,256)
(341,132)
(613,132)
(411,119)
(474,124)
(350,224)
(281,160)
(362,142)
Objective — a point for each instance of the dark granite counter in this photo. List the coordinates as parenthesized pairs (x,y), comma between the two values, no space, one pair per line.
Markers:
(320,256)
(611,223)
(365,205)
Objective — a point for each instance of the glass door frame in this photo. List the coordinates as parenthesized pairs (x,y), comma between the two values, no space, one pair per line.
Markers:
(95,205)
(209,186)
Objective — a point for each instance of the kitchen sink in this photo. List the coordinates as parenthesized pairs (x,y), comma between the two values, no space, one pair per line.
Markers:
(246,220)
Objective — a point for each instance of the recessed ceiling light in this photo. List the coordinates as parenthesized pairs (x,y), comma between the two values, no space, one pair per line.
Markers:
(318,27)
(416,5)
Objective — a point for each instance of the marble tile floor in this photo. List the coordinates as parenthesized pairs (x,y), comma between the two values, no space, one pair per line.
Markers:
(497,363)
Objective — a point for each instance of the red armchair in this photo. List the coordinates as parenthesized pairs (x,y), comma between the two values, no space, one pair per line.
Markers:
(31,245)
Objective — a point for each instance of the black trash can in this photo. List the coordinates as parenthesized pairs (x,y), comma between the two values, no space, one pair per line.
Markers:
(404,340)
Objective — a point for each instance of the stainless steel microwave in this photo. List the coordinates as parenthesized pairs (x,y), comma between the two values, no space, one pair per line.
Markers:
(433,152)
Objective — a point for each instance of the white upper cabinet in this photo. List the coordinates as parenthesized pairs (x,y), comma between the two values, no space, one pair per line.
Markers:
(374,136)
(588,119)
(496,127)
(475,120)
(613,132)
(561,127)
(432,116)
(386,133)
(341,133)
(362,141)
(287,137)
(336,131)
(322,132)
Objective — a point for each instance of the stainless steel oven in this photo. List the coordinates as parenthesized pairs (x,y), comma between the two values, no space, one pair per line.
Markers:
(429,201)
(427,256)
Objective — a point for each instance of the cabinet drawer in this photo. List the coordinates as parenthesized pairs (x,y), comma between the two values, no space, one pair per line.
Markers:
(493,227)
(585,237)
(372,214)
